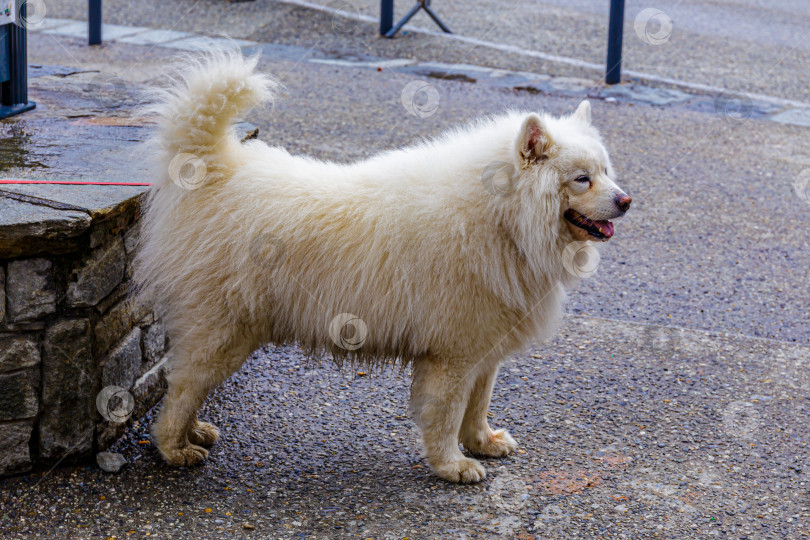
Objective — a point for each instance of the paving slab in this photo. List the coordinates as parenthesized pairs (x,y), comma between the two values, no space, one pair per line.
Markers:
(154,37)
(202,43)
(611,419)
(97,201)
(796,117)
(25,228)
(645,94)
(116,31)
(52,22)
(74,29)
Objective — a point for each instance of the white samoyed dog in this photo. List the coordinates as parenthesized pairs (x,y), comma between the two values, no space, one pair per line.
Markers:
(448,255)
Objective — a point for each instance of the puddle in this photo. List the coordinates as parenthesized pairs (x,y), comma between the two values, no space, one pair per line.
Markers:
(529,89)
(450,76)
(14,148)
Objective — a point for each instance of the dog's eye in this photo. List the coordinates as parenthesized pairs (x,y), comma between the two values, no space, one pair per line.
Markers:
(606,170)
(584,178)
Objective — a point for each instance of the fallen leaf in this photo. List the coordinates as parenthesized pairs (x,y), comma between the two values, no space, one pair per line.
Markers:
(567,482)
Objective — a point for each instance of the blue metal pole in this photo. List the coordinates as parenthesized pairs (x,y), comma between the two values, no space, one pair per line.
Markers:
(613,73)
(386,16)
(94,22)
(14,69)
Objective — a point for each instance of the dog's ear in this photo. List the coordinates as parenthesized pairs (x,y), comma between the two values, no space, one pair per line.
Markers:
(583,112)
(533,142)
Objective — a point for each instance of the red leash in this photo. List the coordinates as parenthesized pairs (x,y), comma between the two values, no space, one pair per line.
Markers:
(73,182)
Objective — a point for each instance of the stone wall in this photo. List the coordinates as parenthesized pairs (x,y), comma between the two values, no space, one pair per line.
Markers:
(79,356)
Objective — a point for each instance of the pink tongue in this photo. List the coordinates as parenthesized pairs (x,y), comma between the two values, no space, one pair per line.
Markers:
(606,226)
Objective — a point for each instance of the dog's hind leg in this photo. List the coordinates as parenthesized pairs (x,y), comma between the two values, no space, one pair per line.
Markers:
(476,435)
(178,434)
(439,395)
(202,433)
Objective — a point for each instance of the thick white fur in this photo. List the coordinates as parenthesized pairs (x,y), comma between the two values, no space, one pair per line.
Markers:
(445,273)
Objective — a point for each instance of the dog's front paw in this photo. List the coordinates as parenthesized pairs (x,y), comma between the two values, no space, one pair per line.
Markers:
(203,434)
(496,443)
(185,456)
(464,470)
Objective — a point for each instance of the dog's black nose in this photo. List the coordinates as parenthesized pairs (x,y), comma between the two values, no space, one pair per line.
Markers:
(623,201)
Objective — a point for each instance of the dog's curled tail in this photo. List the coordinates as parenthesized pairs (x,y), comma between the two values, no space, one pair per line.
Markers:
(194,114)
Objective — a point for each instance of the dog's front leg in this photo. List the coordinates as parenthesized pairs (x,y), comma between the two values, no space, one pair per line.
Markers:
(476,435)
(441,387)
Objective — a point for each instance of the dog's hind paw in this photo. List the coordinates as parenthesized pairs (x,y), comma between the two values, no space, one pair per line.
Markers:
(203,433)
(464,470)
(185,456)
(497,443)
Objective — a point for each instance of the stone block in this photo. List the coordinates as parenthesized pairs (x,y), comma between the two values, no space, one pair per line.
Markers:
(150,388)
(98,276)
(19,395)
(17,352)
(113,298)
(30,291)
(117,323)
(2,294)
(22,326)
(15,454)
(68,389)
(98,203)
(154,343)
(131,238)
(110,229)
(123,365)
(29,228)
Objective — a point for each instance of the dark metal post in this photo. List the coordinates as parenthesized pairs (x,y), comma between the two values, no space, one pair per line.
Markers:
(420,4)
(386,16)
(94,22)
(613,74)
(14,69)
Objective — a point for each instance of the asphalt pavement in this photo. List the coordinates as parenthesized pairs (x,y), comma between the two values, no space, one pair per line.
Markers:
(673,403)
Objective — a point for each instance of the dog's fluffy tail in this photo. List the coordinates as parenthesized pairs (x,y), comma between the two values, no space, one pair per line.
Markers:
(195,113)
(192,151)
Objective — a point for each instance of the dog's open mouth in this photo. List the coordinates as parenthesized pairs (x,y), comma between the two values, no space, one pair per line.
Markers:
(602,230)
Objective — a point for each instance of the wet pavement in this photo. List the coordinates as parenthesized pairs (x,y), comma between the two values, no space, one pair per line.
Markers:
(673,403)
(695,436)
